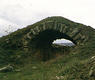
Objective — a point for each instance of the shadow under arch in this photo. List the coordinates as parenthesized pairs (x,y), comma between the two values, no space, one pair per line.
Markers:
(45,38)
(43,42)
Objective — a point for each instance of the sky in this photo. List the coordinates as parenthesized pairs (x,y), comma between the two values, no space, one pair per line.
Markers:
(15,14)
(62,41)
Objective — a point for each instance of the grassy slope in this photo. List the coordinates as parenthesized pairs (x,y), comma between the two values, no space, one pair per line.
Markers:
(71,67)
(74,66)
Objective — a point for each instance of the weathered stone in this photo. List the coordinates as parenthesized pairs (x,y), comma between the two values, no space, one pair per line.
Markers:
(32,30)
(37,27)
(7,68)
(65,29)
(74,33)
(28,35)
(55,25)
(44,26)
(92,72)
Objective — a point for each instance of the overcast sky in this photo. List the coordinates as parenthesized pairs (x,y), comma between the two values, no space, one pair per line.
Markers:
(16,14)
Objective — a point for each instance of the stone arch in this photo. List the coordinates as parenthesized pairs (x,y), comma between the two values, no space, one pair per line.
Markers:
(74,33)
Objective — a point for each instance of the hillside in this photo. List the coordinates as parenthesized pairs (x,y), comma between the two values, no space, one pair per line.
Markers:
(30,54)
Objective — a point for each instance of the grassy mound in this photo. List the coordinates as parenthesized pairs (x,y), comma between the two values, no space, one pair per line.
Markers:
(76,64)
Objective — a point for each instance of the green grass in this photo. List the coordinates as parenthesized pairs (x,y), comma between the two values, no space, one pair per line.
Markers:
(70,67)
